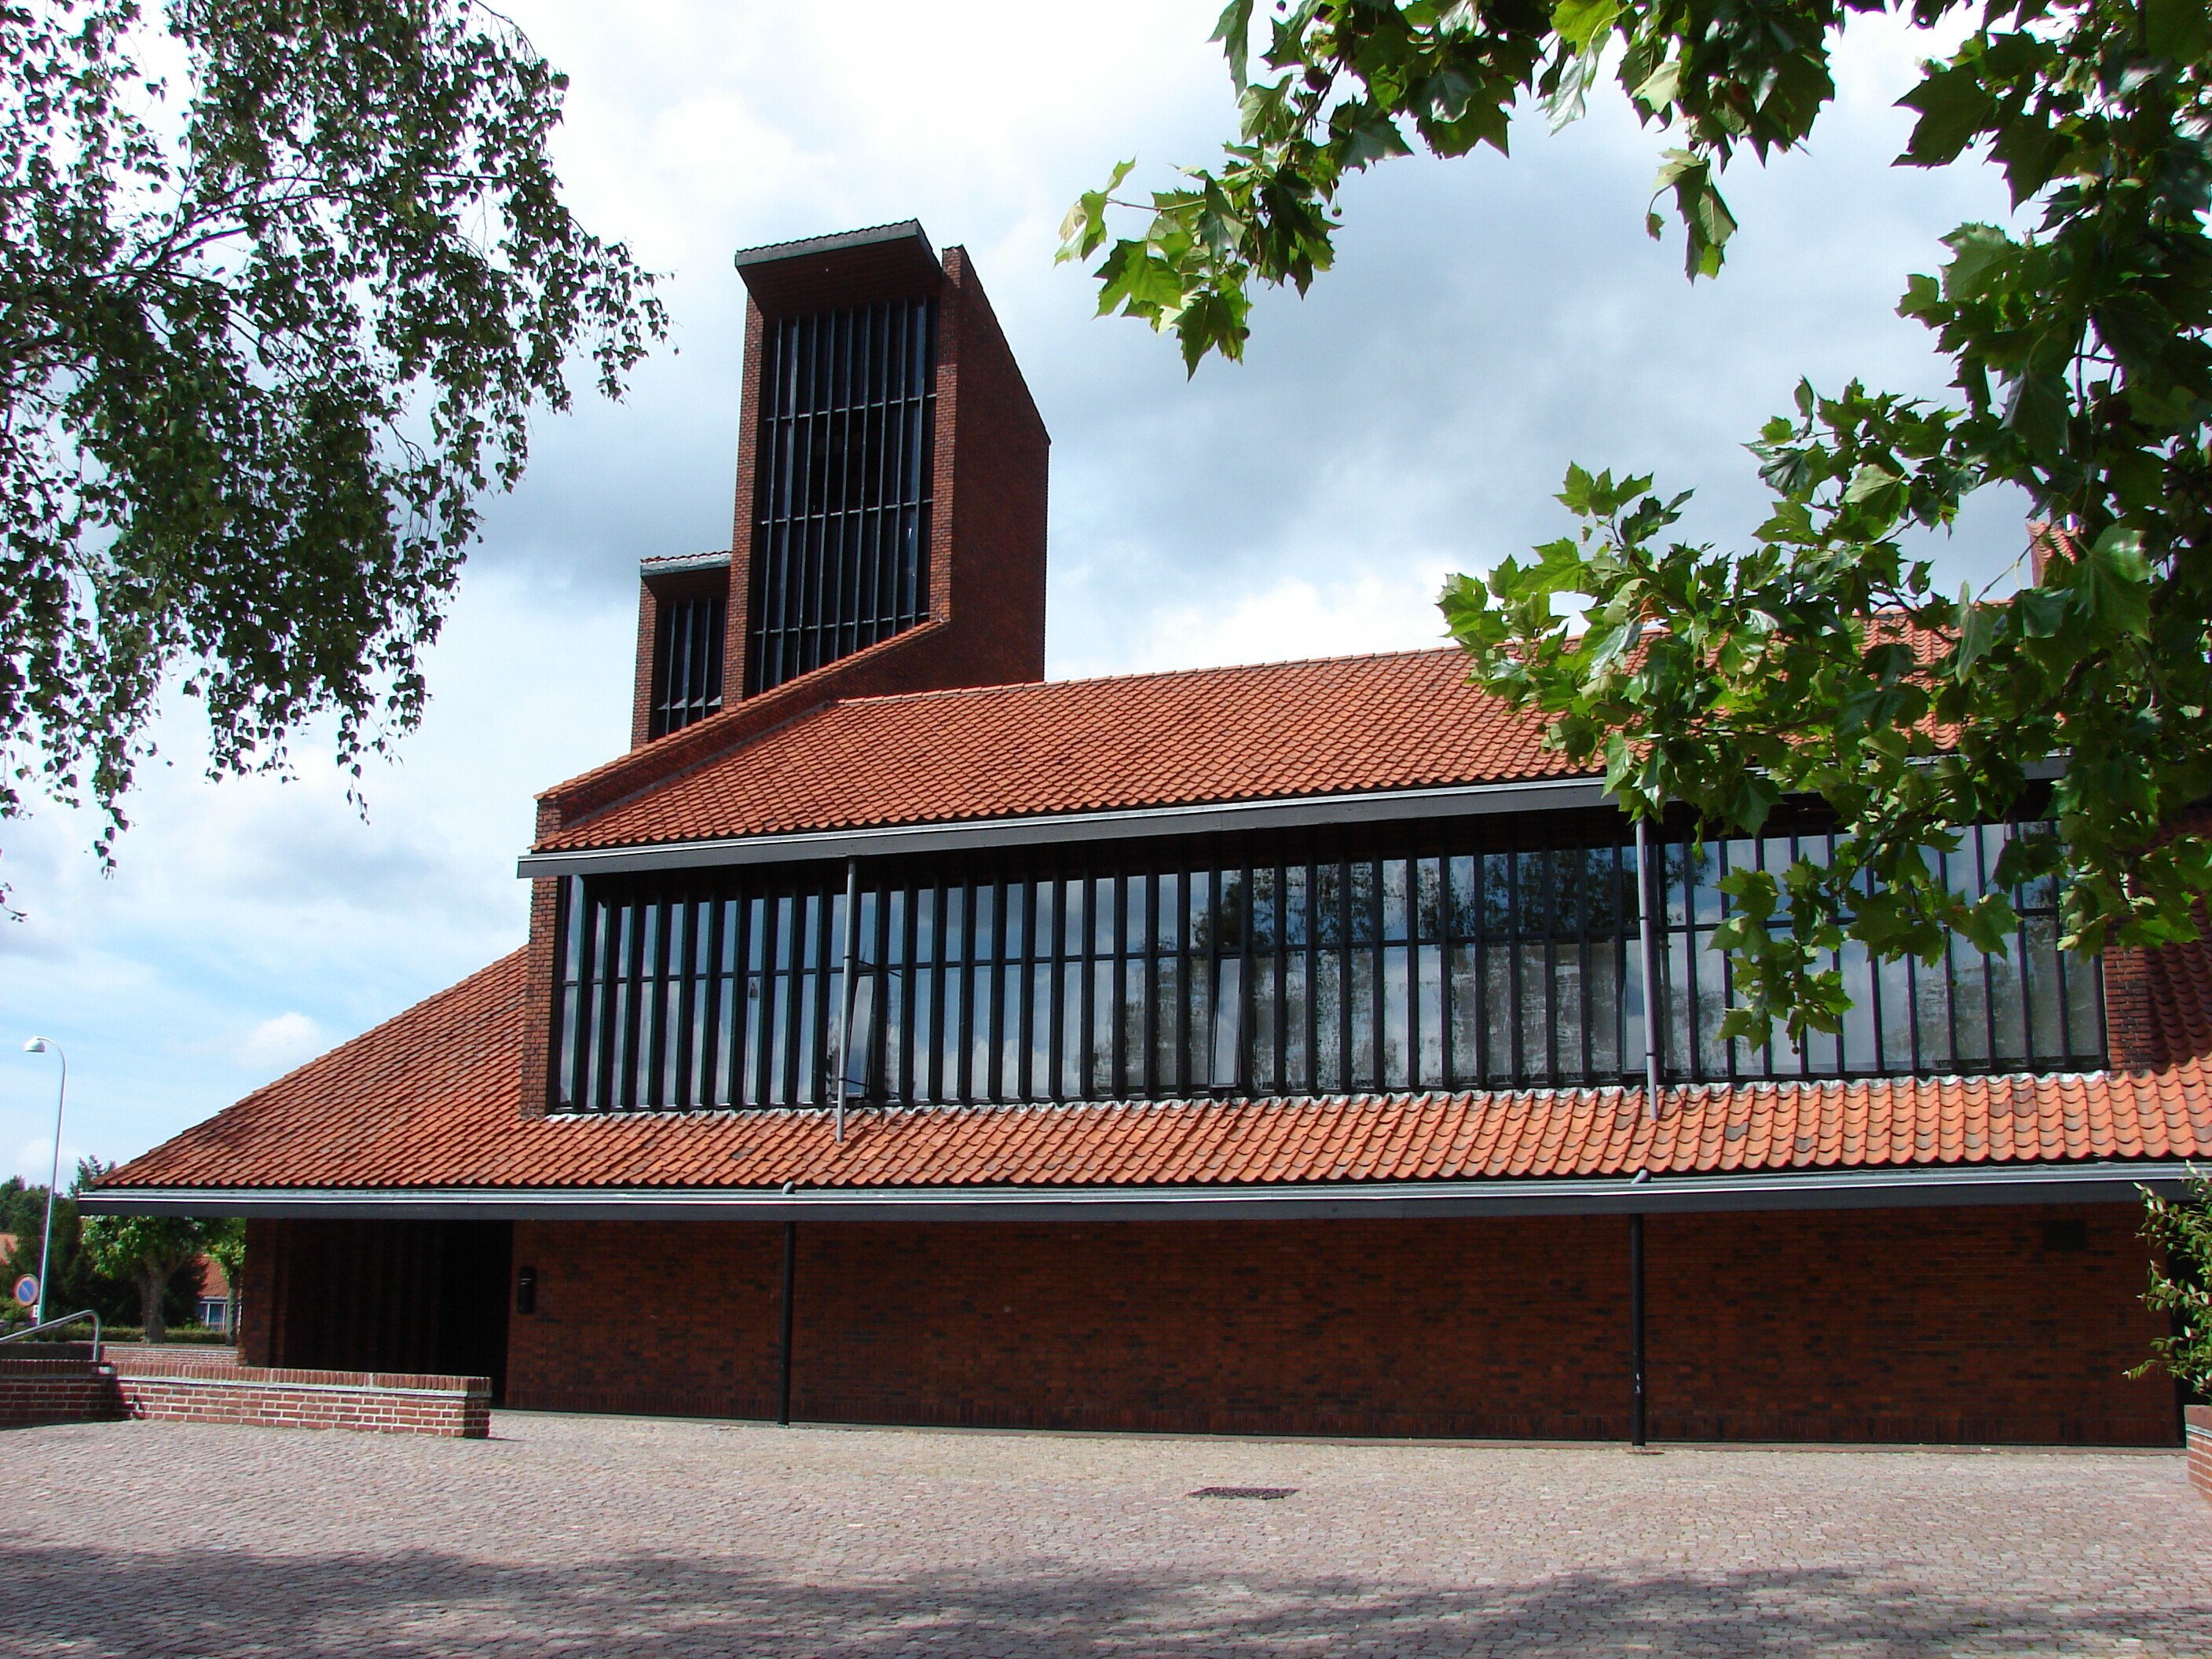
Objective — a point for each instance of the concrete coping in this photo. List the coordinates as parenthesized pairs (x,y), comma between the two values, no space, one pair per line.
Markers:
(189,1371)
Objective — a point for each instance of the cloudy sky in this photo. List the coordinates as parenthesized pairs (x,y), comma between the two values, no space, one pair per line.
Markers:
(1487,321)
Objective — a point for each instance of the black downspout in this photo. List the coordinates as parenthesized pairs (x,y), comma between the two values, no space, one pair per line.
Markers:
(783,1348)
(1636,1435)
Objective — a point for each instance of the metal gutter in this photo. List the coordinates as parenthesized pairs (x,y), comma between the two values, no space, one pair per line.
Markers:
(2112,1183)
(1125,824)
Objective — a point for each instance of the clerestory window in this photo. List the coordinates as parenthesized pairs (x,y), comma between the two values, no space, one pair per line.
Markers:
(1480,953)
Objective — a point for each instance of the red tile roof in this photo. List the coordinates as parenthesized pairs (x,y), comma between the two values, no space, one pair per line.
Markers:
(1404,720)
(431,1099)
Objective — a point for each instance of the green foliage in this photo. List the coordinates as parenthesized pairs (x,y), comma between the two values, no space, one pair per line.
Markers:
(76,1283)
(225,1242)
(2182,1234)
(1820,660)
(266,338)
(146,1251)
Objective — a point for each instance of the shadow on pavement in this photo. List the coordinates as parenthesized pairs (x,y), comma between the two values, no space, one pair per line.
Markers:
(192,1603)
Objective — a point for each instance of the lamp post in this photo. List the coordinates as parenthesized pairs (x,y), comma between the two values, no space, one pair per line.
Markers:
(38,1045)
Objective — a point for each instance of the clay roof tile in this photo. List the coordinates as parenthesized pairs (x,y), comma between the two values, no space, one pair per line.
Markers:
(432,1098)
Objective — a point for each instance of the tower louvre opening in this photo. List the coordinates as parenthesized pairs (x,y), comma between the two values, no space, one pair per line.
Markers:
(687,661)
(846,436)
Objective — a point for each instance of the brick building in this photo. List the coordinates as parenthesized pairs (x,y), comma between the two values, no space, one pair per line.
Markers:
(1302,1047)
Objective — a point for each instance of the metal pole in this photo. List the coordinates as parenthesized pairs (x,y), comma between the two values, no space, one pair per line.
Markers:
(1636,1435)
(54,1179)
(783,1348)
(851,959)
(1645,928)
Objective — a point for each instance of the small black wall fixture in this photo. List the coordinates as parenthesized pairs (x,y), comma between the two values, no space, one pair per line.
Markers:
(525,1291)
(783,1348)
(1636,1425)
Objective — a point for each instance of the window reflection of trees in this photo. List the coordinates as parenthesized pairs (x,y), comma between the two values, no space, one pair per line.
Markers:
(1424,959)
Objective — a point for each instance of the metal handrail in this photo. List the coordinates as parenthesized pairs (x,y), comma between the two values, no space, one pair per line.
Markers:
(56,1324)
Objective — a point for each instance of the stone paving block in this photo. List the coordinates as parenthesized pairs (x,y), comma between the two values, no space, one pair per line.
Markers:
(589,1536)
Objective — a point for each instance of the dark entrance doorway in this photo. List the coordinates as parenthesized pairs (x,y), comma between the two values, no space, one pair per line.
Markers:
(390,1296)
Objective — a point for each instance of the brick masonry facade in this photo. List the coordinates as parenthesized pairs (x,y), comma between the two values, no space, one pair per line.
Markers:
(1901,1325)
(2199,1430)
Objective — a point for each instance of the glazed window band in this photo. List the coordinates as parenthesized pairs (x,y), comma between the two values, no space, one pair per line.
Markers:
(1466,954)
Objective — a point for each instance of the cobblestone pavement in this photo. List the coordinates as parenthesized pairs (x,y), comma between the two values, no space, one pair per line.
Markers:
(567,1535)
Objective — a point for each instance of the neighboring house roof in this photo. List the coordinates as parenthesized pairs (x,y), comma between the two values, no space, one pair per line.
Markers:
(1343,725)
(431,1099)
(208,1274)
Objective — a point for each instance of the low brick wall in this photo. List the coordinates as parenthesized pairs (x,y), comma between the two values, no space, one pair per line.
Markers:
(2199,1424)
(67,1390)
(189,1388)
(180,1388)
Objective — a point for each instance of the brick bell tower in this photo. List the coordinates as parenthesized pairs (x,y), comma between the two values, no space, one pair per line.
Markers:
(892,477)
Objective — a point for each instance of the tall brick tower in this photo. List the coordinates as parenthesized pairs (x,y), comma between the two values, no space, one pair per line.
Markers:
(892,478)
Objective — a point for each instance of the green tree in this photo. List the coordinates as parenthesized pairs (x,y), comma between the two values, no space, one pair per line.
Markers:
(145,1252)
(1820,658)
(74,1282)
(2181,1234)
(267,337)
(225,1244)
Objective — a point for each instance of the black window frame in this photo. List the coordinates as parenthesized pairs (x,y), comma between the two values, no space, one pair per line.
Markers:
(1461,921)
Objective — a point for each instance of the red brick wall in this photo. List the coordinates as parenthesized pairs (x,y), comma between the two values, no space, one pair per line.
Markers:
(1909,1324)
(1951,1325)
(993,467)
(2158,1003)
(2130,1035)
(35,1391)
(190,1388)
(641,687)
(743,509)
(368,1402)
(539,1078)
(260,1287)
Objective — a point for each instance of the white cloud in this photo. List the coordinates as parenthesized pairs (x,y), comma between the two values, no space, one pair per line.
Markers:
(276,1045)
(1294,618)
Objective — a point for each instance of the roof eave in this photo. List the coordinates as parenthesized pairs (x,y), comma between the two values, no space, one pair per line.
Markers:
(2108,1181)
(1042,829)
(1119,823)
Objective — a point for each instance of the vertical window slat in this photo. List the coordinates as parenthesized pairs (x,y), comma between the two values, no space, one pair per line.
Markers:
(1484,955)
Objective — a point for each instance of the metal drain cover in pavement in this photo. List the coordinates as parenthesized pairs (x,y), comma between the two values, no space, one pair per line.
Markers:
(1244,1491)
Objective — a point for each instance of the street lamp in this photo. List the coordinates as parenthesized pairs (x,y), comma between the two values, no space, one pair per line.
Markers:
(38,1045)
